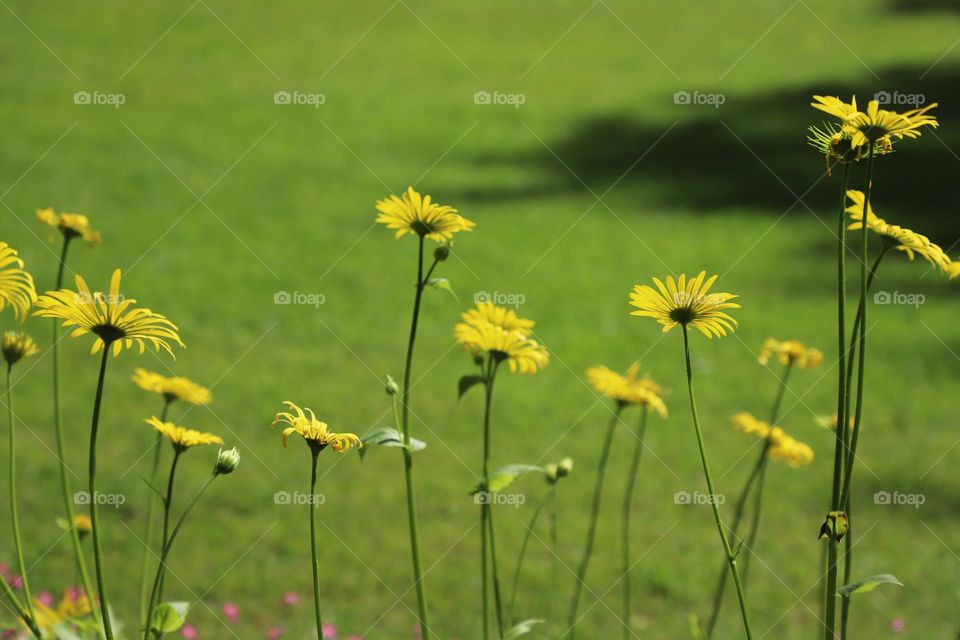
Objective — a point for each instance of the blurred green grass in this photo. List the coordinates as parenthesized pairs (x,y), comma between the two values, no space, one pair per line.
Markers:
(213,198)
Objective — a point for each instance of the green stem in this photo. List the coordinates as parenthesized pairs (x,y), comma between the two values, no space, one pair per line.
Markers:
(165,553)
(484,587)
(488,548)
(315,451)
(592,525)
(18,545)
(167,504)
(92,487)
(414,526)
(625,523)
(495,570)
(23,613)
(731,558)
(148,531)
(523,553)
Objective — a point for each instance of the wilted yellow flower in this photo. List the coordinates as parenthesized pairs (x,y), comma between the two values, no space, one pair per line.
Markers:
(316,433)
(522,354)
(910,242)
(627,388)
(109,317)
(71,225)
(16,346)
(791,352)
(182,438)
(172,388)
(417,214)
(16,285)
(686,303)
(780,445)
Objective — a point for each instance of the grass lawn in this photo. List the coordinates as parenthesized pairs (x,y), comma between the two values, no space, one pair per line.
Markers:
(213,198)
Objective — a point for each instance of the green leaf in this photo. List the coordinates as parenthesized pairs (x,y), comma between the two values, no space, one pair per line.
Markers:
(522,628)
(868,584)
(466,382)
(505,476)
(444,284)
(695,629)
(388,437)
(169,617)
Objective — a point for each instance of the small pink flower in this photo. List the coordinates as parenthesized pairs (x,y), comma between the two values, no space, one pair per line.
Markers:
(15,581)
(291,598)
(329,631)
(897,625)
(231,611)
(188,631)
(45,598)
(274,632)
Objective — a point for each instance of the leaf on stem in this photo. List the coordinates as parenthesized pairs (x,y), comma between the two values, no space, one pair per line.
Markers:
(868,584)
(169,617)
(504,477)
(522,628)
(466,382)
(388,437)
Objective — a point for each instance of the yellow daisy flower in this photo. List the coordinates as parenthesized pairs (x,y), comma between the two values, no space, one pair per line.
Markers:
(16,346)
(73,607)
(16,285)
(791,352)
(82,523)
(109,317)
(910,242)
(172,388)
(489,313)
(316,433)
(835,106)
(182,438)
(417,214)
(71,225)
(686,303)
(877,124)
(781,447)
(522,354)
(627,388)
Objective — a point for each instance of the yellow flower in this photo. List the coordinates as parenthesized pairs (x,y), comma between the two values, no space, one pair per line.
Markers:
(71,225)
(489,313)
(16,346)
(877,124)
(790,352)
(780,445)
(175,388)
(317,434)
(109,317)
(835,106)
(417,214)
(831,422)
(16,285)
(686,303)
(953,270)
(522,354)
(749,425)
(82,523)
(627,388)
(181,437)
(74,605)
(910,242)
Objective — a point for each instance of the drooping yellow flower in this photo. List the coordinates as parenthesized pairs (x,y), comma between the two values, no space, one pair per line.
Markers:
(791,352)
(489,313)
(109,317)
(172,388)
(522,354)
(16,346)
(182,438)
(71,225)
(876,124)
(899,238)
(416,214)
(16,285)
(317,434)
(686,303)
(781,446)
(627,388)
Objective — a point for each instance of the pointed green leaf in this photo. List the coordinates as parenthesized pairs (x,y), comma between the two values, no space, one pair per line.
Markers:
(522,628)
(505,476)
(466,382)
(169,617)
(388,437)
(444,284)
(868,584)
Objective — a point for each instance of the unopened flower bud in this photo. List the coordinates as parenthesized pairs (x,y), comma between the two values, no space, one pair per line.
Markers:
(835,526)
(227,461)
(441,253)
(391,386)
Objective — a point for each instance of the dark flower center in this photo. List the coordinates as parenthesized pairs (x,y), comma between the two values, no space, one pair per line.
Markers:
(682,315)
(109,333)
(421,227)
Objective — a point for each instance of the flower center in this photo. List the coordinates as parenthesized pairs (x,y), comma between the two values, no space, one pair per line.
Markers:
(109,333)
(682,315)
(421,227)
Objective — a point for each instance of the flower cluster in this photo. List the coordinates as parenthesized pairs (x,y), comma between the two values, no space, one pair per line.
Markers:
(503,336)
(781,446)
(792,352)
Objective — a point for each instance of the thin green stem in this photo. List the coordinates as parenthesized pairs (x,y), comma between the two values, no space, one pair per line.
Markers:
(14,516)
(315,452)
(92,487)
(488,548)
(423,610)
(148,531)
(167,505)
(592,525)
(484,572)
(731,558)
(523,552)
(625,523)
(165,553)
(21,611)
(495,573)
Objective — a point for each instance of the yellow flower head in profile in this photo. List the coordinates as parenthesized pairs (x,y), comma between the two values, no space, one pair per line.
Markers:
(16,346)
(316,433)
(627,388)
(875,125)
(417,214)
(71,225)
(182,438)
(687,303)
(899,238)
(111,317)
(500,333)
(780,446)
(16,285)
(792,352)
(172,388)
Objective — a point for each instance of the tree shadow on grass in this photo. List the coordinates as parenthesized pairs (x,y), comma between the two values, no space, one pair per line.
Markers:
(751,153)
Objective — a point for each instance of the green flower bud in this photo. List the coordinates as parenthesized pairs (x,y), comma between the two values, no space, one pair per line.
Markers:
(835,526)
(391,386)
(442,252)
(227,461)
